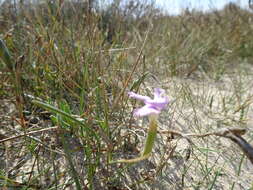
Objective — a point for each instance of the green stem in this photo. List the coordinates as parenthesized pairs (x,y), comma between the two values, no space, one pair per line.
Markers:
(150,141)
(7,59)
(152,132)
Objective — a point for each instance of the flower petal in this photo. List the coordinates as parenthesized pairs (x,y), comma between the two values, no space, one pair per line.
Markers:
(159,103)
(145,110)
(158,92)
(138,96)
(152,106)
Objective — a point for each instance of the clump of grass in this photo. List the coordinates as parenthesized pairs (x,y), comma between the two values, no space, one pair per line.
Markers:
(75,63)
(197,41)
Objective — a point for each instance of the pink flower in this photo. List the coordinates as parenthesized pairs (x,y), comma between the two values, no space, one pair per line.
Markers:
(152,106)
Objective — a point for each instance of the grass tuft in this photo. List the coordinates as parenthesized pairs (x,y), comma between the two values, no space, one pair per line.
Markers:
(66,67)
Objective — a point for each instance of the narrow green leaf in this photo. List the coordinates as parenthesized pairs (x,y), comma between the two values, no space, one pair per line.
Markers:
(56,110)
(138,82)
(152,132)
(63,113)
(5,55)
(217,174)
(150,141)
(71,164)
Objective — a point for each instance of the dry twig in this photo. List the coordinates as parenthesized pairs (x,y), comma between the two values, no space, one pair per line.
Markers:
(234,134)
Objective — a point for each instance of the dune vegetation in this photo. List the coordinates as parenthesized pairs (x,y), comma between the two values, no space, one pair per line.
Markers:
(66,68)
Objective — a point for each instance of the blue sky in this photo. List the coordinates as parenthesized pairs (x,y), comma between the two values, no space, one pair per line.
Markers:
(175,6)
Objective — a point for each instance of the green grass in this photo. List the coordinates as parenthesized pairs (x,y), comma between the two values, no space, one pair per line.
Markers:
(72,68)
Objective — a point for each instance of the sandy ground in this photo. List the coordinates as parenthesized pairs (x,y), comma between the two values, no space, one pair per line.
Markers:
(196,107)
